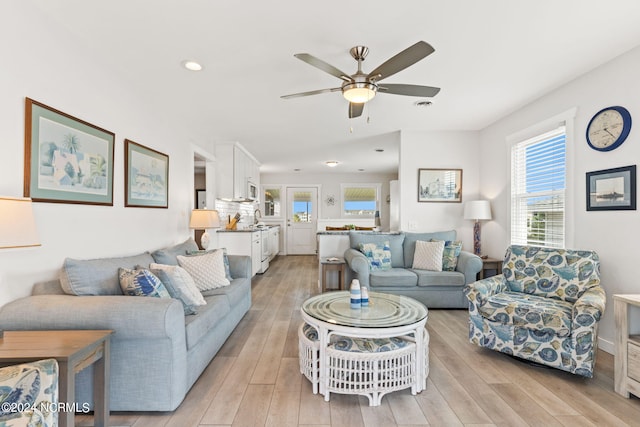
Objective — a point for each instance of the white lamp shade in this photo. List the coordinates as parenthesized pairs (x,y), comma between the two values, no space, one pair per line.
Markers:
(202,219)
(477,210)
(17,223)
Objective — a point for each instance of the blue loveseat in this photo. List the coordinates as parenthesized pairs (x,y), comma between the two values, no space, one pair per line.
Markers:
(435,289)
(157,352)
(544,307)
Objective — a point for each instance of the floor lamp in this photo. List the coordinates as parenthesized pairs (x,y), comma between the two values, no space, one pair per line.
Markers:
(477,210)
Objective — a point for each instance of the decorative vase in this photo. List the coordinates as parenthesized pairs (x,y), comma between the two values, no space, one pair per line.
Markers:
(364,297)
(355,293)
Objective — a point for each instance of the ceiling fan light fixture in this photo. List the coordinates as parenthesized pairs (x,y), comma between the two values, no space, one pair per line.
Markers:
(359,92)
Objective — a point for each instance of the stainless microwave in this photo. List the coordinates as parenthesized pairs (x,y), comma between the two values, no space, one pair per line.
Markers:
(252,191)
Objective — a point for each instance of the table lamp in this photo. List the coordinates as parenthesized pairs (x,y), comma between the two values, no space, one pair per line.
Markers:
(17,223)
(477,210)
(203,219)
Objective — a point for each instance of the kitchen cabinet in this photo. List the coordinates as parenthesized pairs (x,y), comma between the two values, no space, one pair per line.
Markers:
(274,241)
(247,243)
(235,169)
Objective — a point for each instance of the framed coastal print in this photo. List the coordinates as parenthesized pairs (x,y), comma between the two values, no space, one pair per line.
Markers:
(612,189)
(440,185)
(146,177)
(66,160)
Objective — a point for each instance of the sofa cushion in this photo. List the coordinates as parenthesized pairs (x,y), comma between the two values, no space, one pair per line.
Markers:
(395,243)
(98,276)
(207,269)
(177,290)
(235,293)
(531,311)
(450,255)
(562,274)
(378,255)
(208,316)
(169,255)
(396,277)
(141,283)
(410,239)
(428,255)
(179,281)
(439,278)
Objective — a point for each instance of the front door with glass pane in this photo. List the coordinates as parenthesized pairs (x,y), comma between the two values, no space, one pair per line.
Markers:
(302,219)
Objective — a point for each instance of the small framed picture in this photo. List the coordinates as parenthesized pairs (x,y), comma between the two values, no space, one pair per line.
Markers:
(66,160)
(612,189)
(440,185)
(201,199)
(146,177)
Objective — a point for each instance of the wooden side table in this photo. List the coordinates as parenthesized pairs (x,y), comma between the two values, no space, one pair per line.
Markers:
(490,264)
(333,264)
(626,370)
(74,350)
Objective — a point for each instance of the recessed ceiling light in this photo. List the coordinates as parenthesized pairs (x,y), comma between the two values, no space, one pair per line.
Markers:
(379,150)
(192,65)
(332,163)
(424,104)
(296,170)
(360,170)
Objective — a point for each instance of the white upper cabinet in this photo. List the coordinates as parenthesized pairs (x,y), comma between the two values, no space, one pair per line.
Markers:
(237,169)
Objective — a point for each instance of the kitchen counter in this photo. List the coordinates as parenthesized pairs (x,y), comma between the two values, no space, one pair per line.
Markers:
(246,230)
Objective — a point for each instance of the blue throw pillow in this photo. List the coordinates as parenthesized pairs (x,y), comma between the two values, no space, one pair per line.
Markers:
(141,283)
(378,255)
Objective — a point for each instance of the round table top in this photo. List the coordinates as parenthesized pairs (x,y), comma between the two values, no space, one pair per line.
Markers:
(384,310)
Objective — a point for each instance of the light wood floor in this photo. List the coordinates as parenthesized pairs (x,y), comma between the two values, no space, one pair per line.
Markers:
(255,380)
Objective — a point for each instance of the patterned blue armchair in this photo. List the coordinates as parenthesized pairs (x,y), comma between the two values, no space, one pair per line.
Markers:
(544,307)
(29,394)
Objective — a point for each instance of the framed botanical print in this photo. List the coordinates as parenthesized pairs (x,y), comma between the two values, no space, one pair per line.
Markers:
(146,177)
(66,160)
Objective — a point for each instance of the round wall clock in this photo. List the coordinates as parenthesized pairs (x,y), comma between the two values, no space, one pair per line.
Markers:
(608,128)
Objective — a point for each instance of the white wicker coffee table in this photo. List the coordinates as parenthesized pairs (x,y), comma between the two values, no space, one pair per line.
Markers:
(374,373)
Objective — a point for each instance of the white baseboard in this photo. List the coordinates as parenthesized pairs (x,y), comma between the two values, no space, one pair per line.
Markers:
(606,346)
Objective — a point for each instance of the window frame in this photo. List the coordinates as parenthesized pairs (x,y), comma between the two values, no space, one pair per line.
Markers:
(566,118)
(376,186)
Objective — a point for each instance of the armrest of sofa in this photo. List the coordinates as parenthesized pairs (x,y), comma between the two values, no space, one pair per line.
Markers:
(589,308)
(470,265)
(479,292)
(130,317)
(240,266)
(359,264)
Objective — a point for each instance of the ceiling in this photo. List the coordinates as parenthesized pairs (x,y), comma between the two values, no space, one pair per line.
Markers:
(491,58)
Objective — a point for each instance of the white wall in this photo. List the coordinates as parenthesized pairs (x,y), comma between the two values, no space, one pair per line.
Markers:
(613,234)
(41,63)
(438,150)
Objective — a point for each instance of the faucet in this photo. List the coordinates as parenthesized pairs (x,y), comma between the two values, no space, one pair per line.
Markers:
(255,216)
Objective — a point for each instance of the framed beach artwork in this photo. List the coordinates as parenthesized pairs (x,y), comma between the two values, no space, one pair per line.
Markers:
(146,177)
(612,189)
(440,185)
(66,160)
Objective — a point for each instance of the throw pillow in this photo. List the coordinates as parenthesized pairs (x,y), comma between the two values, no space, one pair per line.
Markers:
(225,259)
(428,255)
(450,254)
(378,255)
(142,283)
(207,270)
(183,284)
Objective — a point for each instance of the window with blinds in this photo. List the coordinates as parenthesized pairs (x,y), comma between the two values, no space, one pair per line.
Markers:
(359,200)
(538,181)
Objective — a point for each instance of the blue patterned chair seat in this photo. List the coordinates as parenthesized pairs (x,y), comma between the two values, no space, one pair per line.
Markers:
(357,345)
(544,307)
(530,311)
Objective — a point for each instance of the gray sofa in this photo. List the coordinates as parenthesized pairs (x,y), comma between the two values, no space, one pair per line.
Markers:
(157,352)
(435,289)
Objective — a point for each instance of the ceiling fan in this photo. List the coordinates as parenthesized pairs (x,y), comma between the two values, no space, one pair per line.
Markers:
(361,87)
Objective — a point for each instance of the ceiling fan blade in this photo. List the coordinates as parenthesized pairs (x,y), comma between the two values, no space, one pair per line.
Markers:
(319,63)
(355,110)
(409,90)
(312,92)
(404,59)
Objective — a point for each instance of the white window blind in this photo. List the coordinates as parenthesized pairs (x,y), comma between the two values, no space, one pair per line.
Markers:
(538,177)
